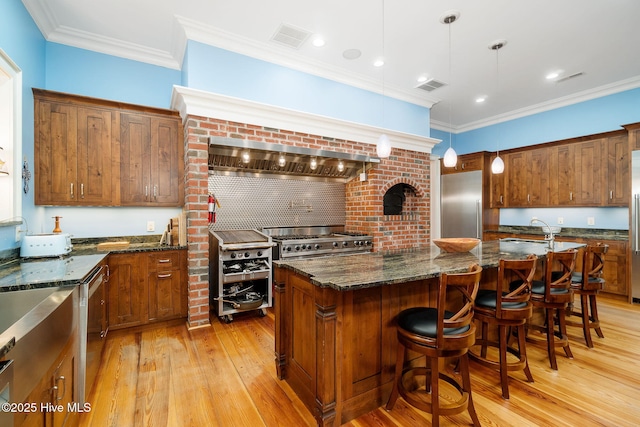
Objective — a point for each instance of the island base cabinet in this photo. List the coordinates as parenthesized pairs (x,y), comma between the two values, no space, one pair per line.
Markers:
(337,349)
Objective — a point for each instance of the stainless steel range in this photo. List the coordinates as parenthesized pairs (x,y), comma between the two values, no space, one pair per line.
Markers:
(239,272)
(315,241)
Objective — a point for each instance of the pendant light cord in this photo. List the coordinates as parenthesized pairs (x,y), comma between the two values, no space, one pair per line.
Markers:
(497,91)
(450,77)
(383,62)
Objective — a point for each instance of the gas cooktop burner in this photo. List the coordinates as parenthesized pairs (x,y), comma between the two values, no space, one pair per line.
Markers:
(303,242)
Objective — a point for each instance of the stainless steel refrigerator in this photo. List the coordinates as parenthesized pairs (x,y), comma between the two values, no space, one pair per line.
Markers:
(635,226)
(461,204)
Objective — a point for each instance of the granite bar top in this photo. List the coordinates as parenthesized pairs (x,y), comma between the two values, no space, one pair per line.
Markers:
(373,269)
(585,233)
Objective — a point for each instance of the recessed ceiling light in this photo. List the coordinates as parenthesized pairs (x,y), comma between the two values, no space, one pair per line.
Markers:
(318,41)
(422,79)
(552,75)
(351,54)
(481,99)
(378,62)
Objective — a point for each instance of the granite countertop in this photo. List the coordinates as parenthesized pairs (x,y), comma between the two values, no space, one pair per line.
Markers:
(585,233)
(373,269)
(20,274)
(47,272)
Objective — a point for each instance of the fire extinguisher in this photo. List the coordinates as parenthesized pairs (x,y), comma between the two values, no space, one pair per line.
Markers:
(212,209)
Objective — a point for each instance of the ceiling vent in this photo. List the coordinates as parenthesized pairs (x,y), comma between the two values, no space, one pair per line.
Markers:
(431,85)
(572,76)
(291,36)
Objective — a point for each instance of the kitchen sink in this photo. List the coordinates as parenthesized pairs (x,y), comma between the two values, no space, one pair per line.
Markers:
(14,305)
(528,241)
(41,321)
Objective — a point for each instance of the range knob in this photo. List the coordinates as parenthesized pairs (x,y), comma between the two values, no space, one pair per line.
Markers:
(345,244)
(247,254)
(308,247)
(357,243)
(233,255)
(287,248)
(297,248)
(367,243)
(316,246)
(259,253)
(335,244)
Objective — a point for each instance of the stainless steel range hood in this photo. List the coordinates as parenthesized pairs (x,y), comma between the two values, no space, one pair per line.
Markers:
(239,156)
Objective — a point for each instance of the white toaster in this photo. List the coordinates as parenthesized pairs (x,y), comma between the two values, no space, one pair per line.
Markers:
(45,245)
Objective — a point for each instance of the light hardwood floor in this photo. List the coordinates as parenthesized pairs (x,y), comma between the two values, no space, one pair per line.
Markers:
(224,375)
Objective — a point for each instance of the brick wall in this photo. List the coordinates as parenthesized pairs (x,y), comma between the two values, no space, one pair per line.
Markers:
(363,199)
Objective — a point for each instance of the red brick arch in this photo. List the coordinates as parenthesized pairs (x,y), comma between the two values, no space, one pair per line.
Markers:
(417,188)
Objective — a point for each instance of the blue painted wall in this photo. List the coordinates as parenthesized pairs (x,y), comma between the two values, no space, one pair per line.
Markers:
(220,71)
(594,116)
(88,73)
(22,41)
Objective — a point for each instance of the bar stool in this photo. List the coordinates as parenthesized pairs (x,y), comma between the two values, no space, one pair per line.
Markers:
(509,310)
(438,333)
(553,295)
(587,284)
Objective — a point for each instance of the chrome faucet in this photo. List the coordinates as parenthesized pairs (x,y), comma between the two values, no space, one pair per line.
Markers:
(549,237)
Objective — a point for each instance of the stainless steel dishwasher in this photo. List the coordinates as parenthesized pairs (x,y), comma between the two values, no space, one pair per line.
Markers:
(92,327)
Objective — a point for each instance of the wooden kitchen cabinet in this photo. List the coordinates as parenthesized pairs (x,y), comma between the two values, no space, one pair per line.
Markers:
(527,178)
(127,290)
(151,162)
(146,286)
(73,150)
(167,296)
(94,152)
(56,391)
(578,173)
(497,183)
(618,171)
(465,163)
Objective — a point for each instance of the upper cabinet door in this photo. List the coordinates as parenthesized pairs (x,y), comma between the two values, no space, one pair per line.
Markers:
(135,159)
(151,161)
(527,178)
(95,154)
(589,172)
(55,153)
(618,171)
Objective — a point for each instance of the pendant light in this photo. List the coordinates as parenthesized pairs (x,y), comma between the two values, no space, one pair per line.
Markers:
(450,156)
(383,147)
(497,166)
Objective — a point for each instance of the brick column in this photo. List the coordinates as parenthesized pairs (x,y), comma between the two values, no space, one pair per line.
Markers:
(195,205)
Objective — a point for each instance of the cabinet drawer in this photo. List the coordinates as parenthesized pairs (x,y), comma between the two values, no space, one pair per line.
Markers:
(163,261)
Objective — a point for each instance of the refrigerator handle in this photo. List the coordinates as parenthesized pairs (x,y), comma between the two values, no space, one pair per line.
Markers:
(479,219)
(635,219)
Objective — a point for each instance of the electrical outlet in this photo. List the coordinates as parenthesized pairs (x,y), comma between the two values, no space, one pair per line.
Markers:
(591,220)
(151,226)
(560,220)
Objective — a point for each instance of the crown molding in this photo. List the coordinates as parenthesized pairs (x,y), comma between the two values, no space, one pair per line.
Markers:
(576,98)
(192,102)
(283,56)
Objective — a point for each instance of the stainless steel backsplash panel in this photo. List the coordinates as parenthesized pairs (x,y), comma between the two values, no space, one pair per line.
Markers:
(255,202)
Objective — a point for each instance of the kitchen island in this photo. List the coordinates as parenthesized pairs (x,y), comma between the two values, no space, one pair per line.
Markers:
(335,338)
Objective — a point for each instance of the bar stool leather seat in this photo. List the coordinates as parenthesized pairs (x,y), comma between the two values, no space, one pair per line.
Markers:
(592,269)
(437,333)
(509,311)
